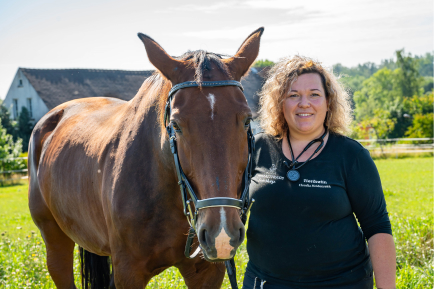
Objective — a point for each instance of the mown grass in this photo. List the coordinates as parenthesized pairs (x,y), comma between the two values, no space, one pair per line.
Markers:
(408,187)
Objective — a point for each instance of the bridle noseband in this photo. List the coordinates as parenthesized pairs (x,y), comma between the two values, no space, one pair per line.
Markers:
(243,203)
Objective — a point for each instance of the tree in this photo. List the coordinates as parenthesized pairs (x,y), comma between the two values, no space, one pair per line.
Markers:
(263,63)
(420,111)
(409,80)
(381,124)
(388,63)
(377,127)
(422,126)
(395,88)
(10,150)
(365,70)
(353,77)
(388,90)
(425,66)
(25,127)
(380,91)
(7,123)
(353,84)
(419,104)
(427,84)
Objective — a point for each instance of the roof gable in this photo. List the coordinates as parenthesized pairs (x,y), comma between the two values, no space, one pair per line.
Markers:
(56,86)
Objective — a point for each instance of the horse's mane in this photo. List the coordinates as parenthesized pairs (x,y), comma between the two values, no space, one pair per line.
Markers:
(200,60)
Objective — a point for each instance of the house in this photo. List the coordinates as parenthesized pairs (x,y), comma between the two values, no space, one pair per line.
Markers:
(40,90)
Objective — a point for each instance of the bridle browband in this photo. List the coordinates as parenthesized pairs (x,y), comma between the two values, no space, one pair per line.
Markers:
(243,203)
(186,84)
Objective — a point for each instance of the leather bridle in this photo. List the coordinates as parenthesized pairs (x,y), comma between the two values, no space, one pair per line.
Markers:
(243,203)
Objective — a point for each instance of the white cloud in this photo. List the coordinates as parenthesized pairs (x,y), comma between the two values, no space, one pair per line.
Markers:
(204,8)
(223,33)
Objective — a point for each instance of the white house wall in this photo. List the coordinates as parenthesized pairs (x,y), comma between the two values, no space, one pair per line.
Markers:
(22,93)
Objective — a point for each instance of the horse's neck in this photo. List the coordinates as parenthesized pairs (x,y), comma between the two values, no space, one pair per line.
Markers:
(145,108)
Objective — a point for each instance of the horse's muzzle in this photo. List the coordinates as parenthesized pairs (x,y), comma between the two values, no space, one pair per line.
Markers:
(221,243)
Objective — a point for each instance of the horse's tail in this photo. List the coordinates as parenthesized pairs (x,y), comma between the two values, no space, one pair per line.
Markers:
(95,270)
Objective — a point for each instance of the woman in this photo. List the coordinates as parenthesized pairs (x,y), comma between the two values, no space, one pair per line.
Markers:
(309,184)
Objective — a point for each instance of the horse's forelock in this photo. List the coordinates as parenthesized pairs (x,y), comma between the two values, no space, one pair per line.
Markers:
(201,61)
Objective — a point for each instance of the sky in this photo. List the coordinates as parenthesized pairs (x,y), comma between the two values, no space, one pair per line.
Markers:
(102,34)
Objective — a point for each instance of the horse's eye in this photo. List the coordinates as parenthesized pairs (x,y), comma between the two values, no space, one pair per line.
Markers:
(247,123)
(176,127)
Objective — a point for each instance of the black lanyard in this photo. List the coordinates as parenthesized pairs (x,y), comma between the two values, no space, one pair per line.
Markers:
(293,174)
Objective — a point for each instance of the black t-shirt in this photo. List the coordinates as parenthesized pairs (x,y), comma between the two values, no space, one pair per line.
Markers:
(304,234)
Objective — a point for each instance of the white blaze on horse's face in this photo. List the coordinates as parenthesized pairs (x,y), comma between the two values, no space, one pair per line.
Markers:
(211,99)
(222,245)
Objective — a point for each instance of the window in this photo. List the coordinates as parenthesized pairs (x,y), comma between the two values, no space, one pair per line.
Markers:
(29,107)
(15,108)
(20,83)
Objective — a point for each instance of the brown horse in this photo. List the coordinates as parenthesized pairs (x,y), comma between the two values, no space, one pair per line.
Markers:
(102,174)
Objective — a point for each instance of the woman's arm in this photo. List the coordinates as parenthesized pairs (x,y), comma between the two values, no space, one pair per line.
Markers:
(383,257)
(368,203)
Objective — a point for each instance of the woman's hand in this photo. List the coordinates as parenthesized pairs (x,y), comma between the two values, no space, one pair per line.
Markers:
(383,256)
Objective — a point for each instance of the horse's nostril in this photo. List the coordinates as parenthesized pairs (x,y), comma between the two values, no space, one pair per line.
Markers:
(241,235)
(202,237)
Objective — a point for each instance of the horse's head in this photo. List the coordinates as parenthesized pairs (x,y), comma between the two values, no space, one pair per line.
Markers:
(211,126)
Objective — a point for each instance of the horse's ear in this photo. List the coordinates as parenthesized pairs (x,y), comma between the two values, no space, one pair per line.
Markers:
(240,63)
(167,65)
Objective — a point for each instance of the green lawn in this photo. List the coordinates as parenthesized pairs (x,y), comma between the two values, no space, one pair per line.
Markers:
(408,187)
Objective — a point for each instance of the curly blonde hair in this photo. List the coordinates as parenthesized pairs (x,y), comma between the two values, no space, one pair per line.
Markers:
(281,76)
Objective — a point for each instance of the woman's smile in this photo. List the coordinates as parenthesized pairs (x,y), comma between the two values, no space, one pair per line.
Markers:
(304,115)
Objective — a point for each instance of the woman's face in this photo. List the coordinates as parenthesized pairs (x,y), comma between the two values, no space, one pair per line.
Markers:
(305,106)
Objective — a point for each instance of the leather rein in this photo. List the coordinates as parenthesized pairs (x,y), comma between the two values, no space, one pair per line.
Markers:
(243,203)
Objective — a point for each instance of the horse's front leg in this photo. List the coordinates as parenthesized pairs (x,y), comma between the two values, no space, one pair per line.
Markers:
(199,273)
(129,272)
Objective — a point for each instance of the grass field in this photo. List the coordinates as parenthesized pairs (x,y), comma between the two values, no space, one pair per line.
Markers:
(407,184)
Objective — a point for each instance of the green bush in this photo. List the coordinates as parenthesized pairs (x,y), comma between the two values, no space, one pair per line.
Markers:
(263,63)
(422,126)
(9,151)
